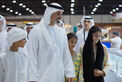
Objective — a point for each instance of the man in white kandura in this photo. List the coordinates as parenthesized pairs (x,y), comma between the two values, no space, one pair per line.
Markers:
(48,48)
(87,22)
(3,34)
(10,26)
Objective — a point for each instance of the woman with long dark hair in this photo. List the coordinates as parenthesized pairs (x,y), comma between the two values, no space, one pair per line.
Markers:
(94,64)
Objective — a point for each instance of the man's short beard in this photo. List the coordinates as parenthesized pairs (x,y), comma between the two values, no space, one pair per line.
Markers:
(87,26)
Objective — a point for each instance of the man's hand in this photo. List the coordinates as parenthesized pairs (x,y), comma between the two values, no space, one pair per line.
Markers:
(98,73)
(70,79)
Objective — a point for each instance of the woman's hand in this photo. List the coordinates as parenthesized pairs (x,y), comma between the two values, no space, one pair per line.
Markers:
(98,73)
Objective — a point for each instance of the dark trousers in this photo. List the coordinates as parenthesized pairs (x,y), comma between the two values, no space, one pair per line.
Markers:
(94,79)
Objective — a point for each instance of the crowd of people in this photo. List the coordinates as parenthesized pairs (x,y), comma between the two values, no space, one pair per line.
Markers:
(46,53)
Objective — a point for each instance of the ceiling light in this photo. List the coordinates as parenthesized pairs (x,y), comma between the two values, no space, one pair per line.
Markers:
(114,10)
(120,5)
(13,1)
(16,12)
(92,12)
(72,12)
(23,6)
(11,10)
(7,9)
(98,4)
(72,0)
(45,4)
(117,8)
(27,9)
(94,9)
(100,0)
(20,4)
(32,12)
(111,12)
(3,6)
(72,4)
(71,9)
(19,14)
(43,1)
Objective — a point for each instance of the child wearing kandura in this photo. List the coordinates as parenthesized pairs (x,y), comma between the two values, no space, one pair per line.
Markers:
(14,64)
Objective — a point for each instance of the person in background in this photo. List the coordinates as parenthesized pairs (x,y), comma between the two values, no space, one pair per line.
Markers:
(10,26)
(116,41)
(94,58)
(3,34)
(29,26)
(79,26)
(106,37)
(14,64)
(87,22)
